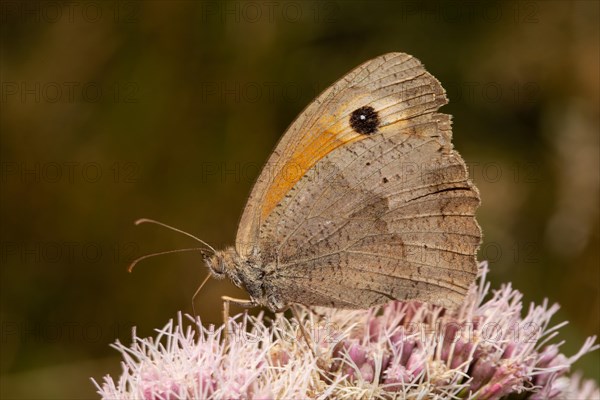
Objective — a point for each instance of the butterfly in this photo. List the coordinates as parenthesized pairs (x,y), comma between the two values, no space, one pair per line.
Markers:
(363,200)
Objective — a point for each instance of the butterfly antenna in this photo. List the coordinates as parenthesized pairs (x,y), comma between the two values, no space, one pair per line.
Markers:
(137,260)
(151,221)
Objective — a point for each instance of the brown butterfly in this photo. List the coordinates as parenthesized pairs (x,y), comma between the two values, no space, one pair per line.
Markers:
(363,200)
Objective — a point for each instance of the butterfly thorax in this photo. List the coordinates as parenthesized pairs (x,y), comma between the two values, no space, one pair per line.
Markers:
(248,273)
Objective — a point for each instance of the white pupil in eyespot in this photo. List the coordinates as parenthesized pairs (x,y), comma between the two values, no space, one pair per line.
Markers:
(363,117)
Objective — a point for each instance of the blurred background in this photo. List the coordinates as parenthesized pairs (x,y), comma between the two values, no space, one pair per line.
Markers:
(116,110)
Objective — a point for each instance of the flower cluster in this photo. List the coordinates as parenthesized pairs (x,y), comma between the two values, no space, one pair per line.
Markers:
(485,350)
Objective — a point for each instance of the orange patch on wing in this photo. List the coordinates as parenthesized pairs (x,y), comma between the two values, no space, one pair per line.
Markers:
(306,154)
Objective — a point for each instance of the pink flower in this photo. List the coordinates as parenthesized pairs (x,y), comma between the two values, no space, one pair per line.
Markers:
(485,350)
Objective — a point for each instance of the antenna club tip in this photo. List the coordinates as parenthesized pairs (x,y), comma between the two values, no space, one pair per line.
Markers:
(140,221)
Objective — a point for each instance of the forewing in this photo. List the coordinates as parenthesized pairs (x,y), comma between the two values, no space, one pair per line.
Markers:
(396,83)
(352,219)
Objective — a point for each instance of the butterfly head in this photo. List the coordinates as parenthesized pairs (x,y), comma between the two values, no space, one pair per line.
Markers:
(216,264)
(220,263)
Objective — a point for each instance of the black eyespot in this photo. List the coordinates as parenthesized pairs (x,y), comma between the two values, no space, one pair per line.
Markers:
(364,120)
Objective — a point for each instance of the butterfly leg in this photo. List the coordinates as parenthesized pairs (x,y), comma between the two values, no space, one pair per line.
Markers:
(241,302)
(309,342)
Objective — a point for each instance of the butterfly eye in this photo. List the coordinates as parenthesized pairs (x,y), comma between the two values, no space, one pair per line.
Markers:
(215,264)
(364,120)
